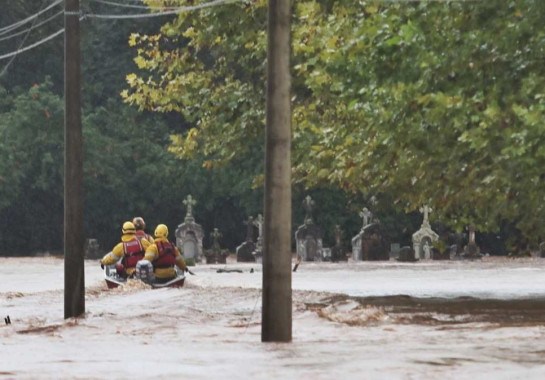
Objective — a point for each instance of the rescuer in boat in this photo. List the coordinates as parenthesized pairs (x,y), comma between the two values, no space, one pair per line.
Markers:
(130,250)
(160,259)
(140,226)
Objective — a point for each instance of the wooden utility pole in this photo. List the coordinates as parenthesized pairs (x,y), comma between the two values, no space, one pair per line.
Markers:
(74,279)
(277,298)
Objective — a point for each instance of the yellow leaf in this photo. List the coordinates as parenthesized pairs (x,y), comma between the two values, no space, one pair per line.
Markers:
(323,173)
(372,9)
(132,39)
(131,78)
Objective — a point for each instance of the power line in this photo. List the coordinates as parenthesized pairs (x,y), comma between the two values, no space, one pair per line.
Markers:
(10,36)
(36,44)
(9,28)
(113,3)
(22,42)
(173,11)
(105,16)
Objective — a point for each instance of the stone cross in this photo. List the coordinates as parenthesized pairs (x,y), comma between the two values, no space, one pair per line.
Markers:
(366,215)
(216,235)
(426,210)
(471,229)
(338,235)
(250,229)
(308,205)
(259,224)
(189,202)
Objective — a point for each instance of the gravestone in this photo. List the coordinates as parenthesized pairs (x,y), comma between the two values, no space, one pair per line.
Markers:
(337,252)
(374,244)
(92,249)
(246,249)
(424,238)
(216,255)
(258,252)
(406,254)
(189,235)
(326,254)
(472,250)
(371,243)
(394,250)
(542,250)
(308,236)
(456,242)
(367,216)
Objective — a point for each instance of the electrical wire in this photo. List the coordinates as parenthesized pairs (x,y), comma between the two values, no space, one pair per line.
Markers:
(10,36)
(32,26)
(113,3)
(9,28)
(173,11)
(166,11)
(32,46)
(36,44)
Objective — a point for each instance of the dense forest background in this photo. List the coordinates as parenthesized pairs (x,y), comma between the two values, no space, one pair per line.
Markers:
(395,105)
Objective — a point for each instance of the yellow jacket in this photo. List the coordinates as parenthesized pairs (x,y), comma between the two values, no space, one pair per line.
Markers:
(152,254)
(117,252)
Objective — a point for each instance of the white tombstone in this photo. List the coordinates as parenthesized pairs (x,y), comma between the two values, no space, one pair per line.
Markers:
(367,218)
(189,235)
(356,247)
(424,238)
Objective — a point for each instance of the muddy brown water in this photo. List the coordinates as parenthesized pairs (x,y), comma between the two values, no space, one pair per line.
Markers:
(448,311)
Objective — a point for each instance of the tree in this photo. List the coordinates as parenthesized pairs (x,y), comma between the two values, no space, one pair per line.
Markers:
(428,102)
(31,171)
(128,170)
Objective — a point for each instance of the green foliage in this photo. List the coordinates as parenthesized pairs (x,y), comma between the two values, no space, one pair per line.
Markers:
(208,66)
(31,170)
(414,102)
(411,102)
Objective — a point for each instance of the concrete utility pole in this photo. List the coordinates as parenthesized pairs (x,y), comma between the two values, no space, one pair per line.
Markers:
(276,323)
(74,279)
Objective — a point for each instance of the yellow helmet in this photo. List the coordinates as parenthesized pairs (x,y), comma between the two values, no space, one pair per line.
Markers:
(139,223)
(128,228)
(161,231)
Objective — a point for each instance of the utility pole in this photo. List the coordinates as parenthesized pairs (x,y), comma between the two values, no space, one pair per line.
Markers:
(74,279)
(276,323)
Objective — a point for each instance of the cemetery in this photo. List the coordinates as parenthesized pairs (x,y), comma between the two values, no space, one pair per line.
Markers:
(370,243)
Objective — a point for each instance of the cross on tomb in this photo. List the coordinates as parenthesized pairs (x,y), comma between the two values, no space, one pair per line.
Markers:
(308,205)
(250,229)
(471,229)
(426,210)
(259,224)
(366,215)
(189,202)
